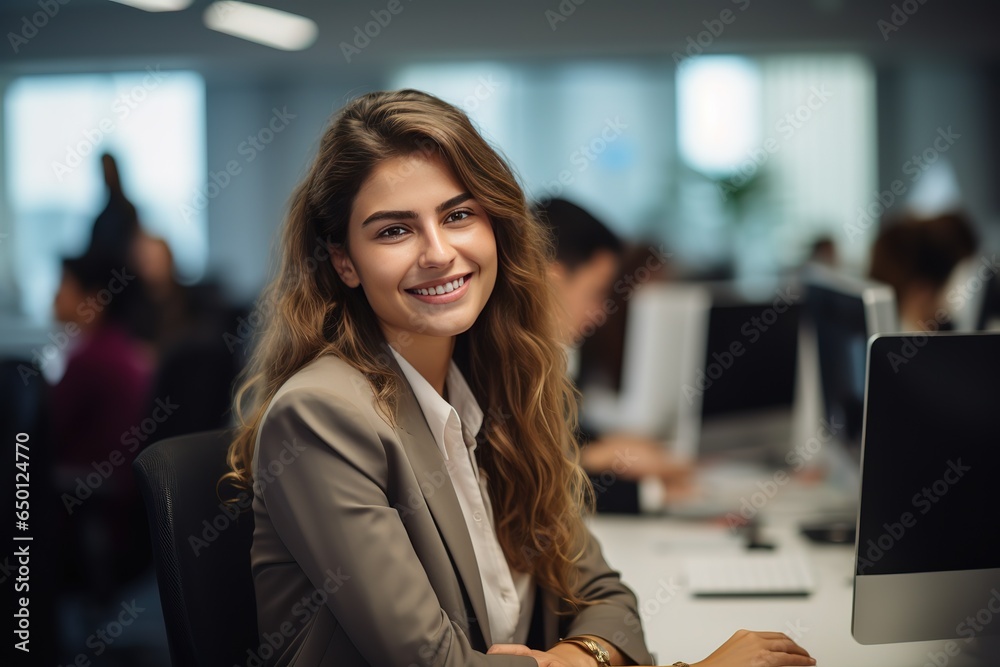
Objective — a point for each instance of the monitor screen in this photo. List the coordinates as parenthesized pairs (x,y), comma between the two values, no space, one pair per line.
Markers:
(932,451)
(747,375)
(926,556)
(838,319)
(750,358)
(844,313)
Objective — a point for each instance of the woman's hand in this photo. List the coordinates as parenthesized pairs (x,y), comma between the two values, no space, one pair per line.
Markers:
(634,457)
(543,658)
(757,649)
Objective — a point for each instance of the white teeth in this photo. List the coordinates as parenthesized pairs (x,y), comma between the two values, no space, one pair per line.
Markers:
(441,289)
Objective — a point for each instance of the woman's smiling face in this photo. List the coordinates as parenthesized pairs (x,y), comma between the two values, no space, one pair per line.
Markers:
(420,247)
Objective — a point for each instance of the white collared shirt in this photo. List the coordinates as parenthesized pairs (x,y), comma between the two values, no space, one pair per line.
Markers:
(510,595)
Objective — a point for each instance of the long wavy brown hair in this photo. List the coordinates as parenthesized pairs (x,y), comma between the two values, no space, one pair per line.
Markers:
(511,356)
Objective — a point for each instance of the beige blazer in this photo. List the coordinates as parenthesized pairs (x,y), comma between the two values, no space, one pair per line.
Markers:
(360,552)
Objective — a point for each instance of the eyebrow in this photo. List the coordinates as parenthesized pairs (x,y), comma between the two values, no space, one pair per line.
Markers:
(410,215)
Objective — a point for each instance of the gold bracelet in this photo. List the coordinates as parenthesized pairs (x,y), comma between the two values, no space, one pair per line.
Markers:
(595,649)
(680,664)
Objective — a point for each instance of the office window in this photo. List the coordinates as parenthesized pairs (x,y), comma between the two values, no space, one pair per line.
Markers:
(781,151)
(656,150)
(718,112)
(483,90)
(56,128)
(592,132)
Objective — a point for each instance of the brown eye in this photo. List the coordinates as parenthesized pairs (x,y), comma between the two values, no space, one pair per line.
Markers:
(458,216)
(392,232)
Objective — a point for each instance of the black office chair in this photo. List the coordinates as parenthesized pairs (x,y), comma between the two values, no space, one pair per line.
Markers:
(201,549)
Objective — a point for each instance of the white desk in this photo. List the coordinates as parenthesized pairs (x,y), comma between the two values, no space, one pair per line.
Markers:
(648,551)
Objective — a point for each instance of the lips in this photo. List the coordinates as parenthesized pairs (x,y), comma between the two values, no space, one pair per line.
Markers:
(442,292)
(440,288)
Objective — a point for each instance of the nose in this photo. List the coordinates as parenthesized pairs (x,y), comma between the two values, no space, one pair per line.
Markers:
(437,251)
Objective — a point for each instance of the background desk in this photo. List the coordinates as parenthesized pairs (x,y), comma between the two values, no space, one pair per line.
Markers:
(649,552)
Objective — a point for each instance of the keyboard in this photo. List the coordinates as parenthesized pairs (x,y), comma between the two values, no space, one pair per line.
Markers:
(749,574)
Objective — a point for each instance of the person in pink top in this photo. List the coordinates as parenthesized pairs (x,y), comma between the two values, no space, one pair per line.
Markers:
(101,397)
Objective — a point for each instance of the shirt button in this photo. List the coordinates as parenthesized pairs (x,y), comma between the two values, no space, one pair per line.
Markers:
(477,516)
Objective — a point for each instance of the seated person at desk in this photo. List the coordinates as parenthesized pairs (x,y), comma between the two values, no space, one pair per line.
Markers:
(101,396)
(916,257)
(588,258)
(408,432)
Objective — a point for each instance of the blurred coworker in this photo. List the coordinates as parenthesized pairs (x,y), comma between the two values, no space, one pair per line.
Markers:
(823,251)
(972,273)
(117,225)
(163,314)
(588,258)
(100,398)
(916,257)
(186,325)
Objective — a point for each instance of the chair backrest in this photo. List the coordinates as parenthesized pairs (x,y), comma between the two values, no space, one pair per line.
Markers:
(201,547)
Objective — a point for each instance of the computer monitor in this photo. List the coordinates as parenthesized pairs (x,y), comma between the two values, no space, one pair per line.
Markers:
(746,380)
(927,566)
(842,313)
(664,343)
(710,367)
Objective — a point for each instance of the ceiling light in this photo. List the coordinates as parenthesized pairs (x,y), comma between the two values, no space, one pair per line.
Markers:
(264,25)
(157,5)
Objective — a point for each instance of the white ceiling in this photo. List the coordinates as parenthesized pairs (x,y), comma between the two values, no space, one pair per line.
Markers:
(89,34)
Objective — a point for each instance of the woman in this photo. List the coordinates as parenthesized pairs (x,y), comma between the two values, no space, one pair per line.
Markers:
(417,498)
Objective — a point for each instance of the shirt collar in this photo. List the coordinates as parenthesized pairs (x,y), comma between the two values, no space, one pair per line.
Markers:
(437,412)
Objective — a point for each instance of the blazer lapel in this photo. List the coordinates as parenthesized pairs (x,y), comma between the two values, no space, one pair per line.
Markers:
(428,464)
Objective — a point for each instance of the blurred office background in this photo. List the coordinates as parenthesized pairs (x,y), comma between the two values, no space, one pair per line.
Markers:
(732,134)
